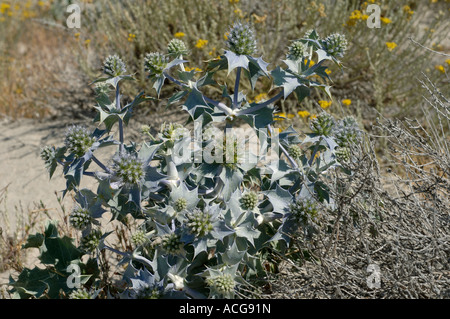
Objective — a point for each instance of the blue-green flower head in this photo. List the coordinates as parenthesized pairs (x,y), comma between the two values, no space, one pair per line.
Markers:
(48,155)
(80,218)
(129,169)
(347,132)
(221,285)
(323,124)
(297,50)
(295,152)
(172,244)
(249,200)
(335,44)
(241,39)
(114,66)
(177,48)
(139,238)
(81,293)
(304,210)
(78,140)
(155,63)
(199,222)
(90,242)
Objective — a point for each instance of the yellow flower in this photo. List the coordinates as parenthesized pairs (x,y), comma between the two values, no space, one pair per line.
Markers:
(194,68)
(385,20)
(303,114)
(312,117)
(311,62)
(364,17)
(4,7)
(447,61)
(324,104)
(233,1)
(258,19)
(261,97)
(328,71)
(440,68)
(87,42)
(179,35)
(201,43)
(391,45)
(280,116)
(347,102)
(290,116)
(131,37)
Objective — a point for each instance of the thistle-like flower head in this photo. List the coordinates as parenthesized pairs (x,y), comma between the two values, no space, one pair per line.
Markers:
(129,169)
(81,293)
(172,244)
(249,200)
(297,50)
(177,48)
(199,222)
(335,44)
(347,131)
(323,124)
(222,285)
(48,155)
(155,63)
(80,218)
(78,140)
(139,238)
(91,241)
(114,66)
(295,152)
(241,39)
(180,204)
(304,210)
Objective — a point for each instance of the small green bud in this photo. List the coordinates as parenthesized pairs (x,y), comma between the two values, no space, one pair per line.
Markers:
(155,63)
(199,222)
(172,244)
(80,218)
(91,241)
(114,66)
(145,129)
(180,204)
(323,124)
(249,200)
(295,152)
(222,285)
(241,39)
(78,140)
(177,48)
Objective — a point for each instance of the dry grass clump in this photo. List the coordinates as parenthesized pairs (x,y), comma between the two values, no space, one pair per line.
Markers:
(395,216)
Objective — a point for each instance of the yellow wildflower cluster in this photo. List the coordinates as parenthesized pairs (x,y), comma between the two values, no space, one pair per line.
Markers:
(259,98)
(324,104)
(303,114)
(391,45)
(440,68)
(179,35)
(407,10)
(282,116)
(346,102)
(356,16)
(131,37)
(201,43)
(188,69)
(23,9)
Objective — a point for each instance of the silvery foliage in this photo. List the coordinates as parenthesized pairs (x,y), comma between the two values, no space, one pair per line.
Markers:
(205,223)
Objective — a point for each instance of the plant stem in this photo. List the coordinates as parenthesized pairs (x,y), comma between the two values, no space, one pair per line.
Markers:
(175,80)
(102,166)
(262,105)
(285,152)
(236,88)
(119,107)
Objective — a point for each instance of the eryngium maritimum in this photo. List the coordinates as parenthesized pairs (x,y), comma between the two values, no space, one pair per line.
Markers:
(78,140)
(114,66)
(90,242)
(222,284)
(323,124)
(129,169)
(297,50)
(241,39)
(249,200)
(155,63)
(335,44)
(80,218)
(177,47)
(199,222)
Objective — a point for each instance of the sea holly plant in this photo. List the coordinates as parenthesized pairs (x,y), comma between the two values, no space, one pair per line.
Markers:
(208,206)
